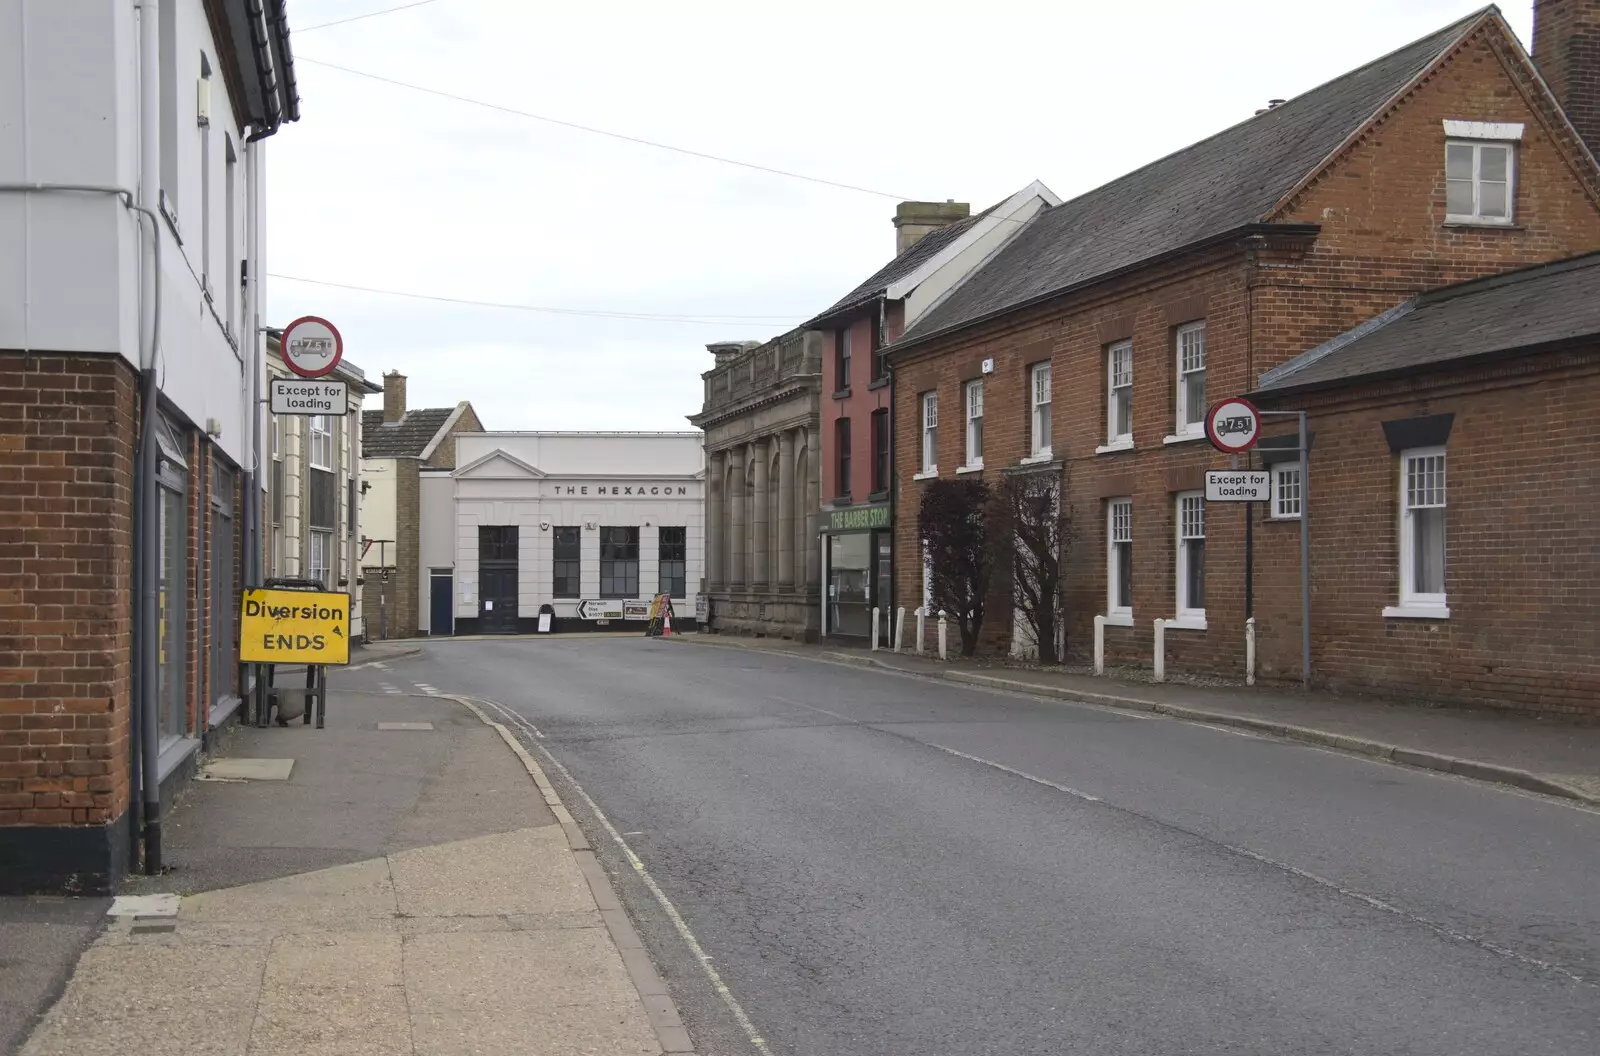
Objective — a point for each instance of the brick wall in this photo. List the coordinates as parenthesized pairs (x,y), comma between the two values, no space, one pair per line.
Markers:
(1520,559)
(444,456)
(403,587)
(67,444)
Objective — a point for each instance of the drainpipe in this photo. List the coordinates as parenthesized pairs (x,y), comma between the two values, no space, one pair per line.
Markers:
(147,553)
(893,482)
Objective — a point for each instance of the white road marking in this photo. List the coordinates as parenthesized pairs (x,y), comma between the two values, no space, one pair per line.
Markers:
(678,923)
(429,690)
(389,687)
(379,664)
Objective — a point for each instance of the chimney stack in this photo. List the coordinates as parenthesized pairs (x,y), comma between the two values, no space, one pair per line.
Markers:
(394,396)
(1566,48)
(912,220)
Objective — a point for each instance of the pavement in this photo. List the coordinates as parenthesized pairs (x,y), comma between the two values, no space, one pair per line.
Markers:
(410,884)
(1554,755)
(830,859)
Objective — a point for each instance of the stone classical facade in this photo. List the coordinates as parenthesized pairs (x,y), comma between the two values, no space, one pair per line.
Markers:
(761,420)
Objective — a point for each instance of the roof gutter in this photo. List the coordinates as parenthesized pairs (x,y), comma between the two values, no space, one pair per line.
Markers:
(1246,231)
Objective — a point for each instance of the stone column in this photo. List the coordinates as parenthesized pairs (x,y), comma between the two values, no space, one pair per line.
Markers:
(758,522)
(736,502)
(813,515)
(786,528)
(716,544)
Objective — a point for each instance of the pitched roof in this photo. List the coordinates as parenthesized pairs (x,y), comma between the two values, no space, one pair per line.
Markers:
(1229,181)
(898,268)
(407,438)
(1517,310)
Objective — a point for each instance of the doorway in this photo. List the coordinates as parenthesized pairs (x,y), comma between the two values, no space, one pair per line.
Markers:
(441,604)
(497,578)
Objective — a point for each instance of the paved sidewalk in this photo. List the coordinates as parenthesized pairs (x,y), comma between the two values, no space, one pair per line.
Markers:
(411,888)
(1547,755)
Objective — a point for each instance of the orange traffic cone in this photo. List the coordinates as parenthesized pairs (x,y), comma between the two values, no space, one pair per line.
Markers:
(666,623)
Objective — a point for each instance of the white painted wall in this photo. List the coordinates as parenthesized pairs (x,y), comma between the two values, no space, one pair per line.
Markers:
(378,510)
(590,480)
(70,267)
(437,546)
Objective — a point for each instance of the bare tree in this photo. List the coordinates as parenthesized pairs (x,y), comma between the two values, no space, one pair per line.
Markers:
(952,521)
(1031,539)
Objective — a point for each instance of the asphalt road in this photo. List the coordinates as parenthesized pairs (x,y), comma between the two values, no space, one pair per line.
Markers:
(875,864)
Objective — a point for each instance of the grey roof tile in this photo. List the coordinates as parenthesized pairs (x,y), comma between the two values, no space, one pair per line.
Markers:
(407,438)
(1504,313)
(1233,179)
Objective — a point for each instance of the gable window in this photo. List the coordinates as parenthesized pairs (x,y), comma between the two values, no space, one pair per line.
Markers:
(1191,349)
(1478,182)
(930,434)
(841,444)
(841,362)
(1119,561)
(974,425)
(673,548)
(880,450)
(1286,491)
(1119,394)
(1191,556)
(567,556)
(1422,532)
(619,562)
(1040,385)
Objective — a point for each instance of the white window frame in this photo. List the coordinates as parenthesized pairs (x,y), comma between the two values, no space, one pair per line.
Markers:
(1413,603)
(1477,217)
(319,448)
(1039,385)
(1189,615)
(1117,615)
(313,536)
(930,435)
(972,404)
(1191,421)
(1287,492)
(1119,434)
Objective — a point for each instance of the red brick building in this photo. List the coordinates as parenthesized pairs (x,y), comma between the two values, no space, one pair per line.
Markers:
(1187,280)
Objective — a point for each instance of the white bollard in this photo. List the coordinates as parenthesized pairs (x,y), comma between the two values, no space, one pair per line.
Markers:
(899,627)
(874,647)
(1099,645)
(1250,651)
(1161,650)
(944,638)
(922,618)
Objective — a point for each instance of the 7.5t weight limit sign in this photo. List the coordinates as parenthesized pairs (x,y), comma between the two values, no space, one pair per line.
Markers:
(1233,426)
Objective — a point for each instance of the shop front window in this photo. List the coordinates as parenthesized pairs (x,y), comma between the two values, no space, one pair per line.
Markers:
(850,584)
(172,588)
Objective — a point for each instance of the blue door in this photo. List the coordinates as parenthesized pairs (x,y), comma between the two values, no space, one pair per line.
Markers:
(441,606)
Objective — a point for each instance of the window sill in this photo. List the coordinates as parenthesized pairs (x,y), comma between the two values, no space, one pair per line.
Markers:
(1125,444)
(927,474)
(841,500)
(1189,622)
(1417,612)
(222,711)
(1481,223)
(1183,438)
(1289,518)
(842,394)
(973,467)
(879,496)
(174,752)
(878,383)
(1119,619)
(1033,460)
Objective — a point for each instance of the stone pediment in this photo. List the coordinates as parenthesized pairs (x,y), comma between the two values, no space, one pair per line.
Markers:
(498,465)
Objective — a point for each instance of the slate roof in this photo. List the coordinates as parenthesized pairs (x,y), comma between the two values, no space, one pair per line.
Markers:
(921,250)
(1221,184)
(407,438)
(1506,313)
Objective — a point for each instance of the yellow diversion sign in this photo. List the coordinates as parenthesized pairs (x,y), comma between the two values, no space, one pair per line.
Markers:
(294,627)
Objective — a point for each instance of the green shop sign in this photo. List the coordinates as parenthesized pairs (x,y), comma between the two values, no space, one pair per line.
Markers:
(858,518)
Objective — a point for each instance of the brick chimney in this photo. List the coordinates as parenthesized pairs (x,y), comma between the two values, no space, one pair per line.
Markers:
(394,396)
(912,220)
(1566,48)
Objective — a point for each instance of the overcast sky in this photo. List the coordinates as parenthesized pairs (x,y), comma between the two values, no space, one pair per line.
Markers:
(386,187)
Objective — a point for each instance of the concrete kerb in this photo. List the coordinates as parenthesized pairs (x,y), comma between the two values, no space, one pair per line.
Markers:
(405,654)
(659,1008)
(1369,749)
